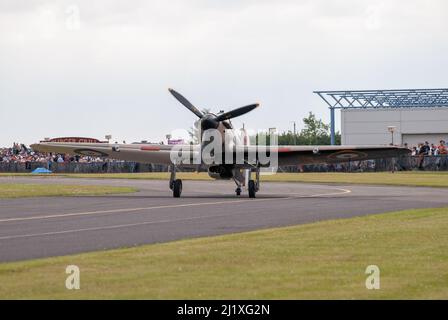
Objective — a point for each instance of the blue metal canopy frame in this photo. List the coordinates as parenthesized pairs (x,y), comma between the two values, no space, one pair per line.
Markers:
(380,99)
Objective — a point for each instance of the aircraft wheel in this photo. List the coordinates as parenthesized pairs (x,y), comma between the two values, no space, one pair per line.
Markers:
(252,189)
(238,191)
(177,188)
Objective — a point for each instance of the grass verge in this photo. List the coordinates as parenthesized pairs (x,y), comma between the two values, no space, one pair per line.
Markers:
(16,190)
(325,260)
(421,179)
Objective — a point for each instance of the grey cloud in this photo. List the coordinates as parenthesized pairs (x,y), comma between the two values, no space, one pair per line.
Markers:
(221,54)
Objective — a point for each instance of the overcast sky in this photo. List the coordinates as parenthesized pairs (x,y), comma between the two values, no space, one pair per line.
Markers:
(94,67)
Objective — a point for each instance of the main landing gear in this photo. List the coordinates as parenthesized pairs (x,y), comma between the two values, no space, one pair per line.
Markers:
(253,185)
(175,184)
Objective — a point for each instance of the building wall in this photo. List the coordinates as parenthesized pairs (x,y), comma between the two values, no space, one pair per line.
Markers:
(413,125)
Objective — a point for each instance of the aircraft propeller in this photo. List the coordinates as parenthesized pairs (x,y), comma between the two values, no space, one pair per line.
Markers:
(209,120)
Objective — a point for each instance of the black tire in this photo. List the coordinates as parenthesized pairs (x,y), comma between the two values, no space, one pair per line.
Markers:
(177,188)
(252,190)
(238,191)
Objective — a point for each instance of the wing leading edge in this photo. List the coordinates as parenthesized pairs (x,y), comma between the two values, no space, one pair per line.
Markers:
(287,155)
(292,155)
(144,153)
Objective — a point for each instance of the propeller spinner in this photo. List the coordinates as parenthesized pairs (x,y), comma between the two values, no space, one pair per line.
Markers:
(209,120)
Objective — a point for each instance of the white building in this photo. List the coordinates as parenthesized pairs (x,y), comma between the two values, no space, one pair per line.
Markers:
(417,115)
(413,125)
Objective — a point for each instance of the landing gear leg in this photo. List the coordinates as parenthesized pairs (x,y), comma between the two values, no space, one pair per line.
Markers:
(257,179)
(175,184)
(254,185)
(238,178)
(238,191)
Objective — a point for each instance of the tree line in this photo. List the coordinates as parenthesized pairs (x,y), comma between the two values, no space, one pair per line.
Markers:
(314,132)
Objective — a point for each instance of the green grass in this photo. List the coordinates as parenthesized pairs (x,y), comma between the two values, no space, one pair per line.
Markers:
(325,260)
(415,178)
(16,174)
(422,179)
(15,190)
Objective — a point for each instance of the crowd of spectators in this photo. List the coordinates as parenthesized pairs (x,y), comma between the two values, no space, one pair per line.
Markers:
(20,153)
(427,149)
(423,150)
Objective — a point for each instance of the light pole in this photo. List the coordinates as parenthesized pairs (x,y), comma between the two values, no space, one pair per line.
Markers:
(108,137)
(392,130)
(295,133)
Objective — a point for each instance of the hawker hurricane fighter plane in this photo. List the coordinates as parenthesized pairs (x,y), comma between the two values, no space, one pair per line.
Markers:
(223,151)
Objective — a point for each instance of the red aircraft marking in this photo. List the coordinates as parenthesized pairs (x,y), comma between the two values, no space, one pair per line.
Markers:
(150,148)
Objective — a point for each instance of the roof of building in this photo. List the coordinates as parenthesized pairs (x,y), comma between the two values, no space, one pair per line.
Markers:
(402,98)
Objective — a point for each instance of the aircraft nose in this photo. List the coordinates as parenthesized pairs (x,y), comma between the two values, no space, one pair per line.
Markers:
(209,123)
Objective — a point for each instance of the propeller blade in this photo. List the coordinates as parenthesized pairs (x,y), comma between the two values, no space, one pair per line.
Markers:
(236,112)
(186,103)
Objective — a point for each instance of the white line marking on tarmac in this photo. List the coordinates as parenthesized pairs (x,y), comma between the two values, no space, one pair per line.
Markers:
(129,210)
(109,227)
(88,213)
(344,191)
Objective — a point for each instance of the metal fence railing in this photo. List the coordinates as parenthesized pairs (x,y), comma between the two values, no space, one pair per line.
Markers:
(428,163)
(78,167)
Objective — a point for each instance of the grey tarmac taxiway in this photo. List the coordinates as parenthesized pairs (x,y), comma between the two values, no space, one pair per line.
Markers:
(53,226)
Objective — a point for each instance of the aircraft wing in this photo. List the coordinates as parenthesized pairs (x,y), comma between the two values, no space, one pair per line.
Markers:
(160,154)
(144,153)
(294,155)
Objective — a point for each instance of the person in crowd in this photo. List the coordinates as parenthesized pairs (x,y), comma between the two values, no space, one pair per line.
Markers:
(442,151)
(60,159)
(424,150)
(433,150)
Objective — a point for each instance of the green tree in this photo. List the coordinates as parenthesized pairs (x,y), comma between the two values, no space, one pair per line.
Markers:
(314,128)
(315,132)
